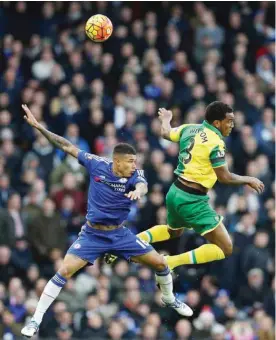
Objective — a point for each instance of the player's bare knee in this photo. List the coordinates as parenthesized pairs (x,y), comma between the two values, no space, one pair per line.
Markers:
(65,271)
(160,264)
(174,233)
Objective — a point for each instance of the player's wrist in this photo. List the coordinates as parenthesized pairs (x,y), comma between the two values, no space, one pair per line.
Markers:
(165,129)
(38,126)
(248,180)
(166,121)
(139,191)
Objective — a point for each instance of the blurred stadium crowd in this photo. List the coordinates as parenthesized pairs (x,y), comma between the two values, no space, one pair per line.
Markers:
(179,56)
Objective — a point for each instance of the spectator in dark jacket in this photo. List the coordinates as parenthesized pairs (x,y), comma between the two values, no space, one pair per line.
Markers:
(254,291)
(7,232)
(46,231)
(257,255)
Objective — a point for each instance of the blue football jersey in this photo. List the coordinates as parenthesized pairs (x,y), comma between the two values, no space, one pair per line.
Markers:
(107,203)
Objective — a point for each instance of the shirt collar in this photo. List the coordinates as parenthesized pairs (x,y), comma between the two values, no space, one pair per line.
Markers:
(211,127)
(111,170)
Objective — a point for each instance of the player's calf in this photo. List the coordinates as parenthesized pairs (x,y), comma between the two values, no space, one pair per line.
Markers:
(162,273)
(50,293)
(221,238)
(164,280)
(71,264)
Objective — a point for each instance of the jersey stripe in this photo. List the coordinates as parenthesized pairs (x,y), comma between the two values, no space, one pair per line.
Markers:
(217,160)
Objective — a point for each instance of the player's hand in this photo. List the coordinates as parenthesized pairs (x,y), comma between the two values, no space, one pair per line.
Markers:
(134,195)
(256,184)
(165,114)
(29,117)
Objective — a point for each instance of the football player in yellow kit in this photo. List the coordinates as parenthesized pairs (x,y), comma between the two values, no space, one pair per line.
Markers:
(201,164)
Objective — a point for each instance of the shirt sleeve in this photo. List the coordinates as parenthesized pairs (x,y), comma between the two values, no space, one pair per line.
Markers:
(88,160)
(176,133)
(217,156)
(139,177)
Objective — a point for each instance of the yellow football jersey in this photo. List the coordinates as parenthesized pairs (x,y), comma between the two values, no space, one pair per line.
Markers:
(201,149)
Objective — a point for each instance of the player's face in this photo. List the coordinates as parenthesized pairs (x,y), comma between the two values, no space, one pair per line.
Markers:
(227,124)
(126,164)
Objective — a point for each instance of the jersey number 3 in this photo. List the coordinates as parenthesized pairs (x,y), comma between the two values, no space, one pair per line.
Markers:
(188,157)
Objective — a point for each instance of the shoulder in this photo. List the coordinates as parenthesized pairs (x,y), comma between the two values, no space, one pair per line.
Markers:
(91,161)
(91,157)
(139,176)
(213,139)
(182,127)
(139,172)
(176,133)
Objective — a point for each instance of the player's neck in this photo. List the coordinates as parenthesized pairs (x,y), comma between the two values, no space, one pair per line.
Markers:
(116,172)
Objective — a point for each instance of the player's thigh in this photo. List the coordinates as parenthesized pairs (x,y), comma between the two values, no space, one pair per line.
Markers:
(128,245)
(197,213)
(151,259)
(71,264)
(221,238)
(90,245)
(175,232)
(174,221)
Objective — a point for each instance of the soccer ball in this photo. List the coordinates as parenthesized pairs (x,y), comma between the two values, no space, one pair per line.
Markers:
(98,28)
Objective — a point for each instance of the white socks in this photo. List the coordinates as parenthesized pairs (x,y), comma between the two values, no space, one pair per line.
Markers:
(55,285)
(165,281)
(50,293)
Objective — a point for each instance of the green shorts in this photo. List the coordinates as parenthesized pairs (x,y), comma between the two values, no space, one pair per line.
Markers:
(192,211)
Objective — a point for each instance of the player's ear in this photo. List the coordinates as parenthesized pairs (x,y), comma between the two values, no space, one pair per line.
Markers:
(216,123)
(116,159)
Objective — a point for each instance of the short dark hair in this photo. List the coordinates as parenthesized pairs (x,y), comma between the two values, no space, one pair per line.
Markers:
(124,148)
(217,111)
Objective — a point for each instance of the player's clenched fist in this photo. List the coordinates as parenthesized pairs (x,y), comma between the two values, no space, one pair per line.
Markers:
(165,114)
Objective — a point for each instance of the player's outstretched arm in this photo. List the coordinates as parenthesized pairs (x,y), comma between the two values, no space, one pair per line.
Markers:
(226,177)
(165,117)
(56,140)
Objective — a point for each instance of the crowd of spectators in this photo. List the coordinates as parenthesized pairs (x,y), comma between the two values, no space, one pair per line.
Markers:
(180,56)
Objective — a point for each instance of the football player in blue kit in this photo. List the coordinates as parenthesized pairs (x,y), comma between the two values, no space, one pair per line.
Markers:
(113,185)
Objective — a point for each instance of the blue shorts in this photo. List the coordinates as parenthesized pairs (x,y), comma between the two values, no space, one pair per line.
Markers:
(93,243)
